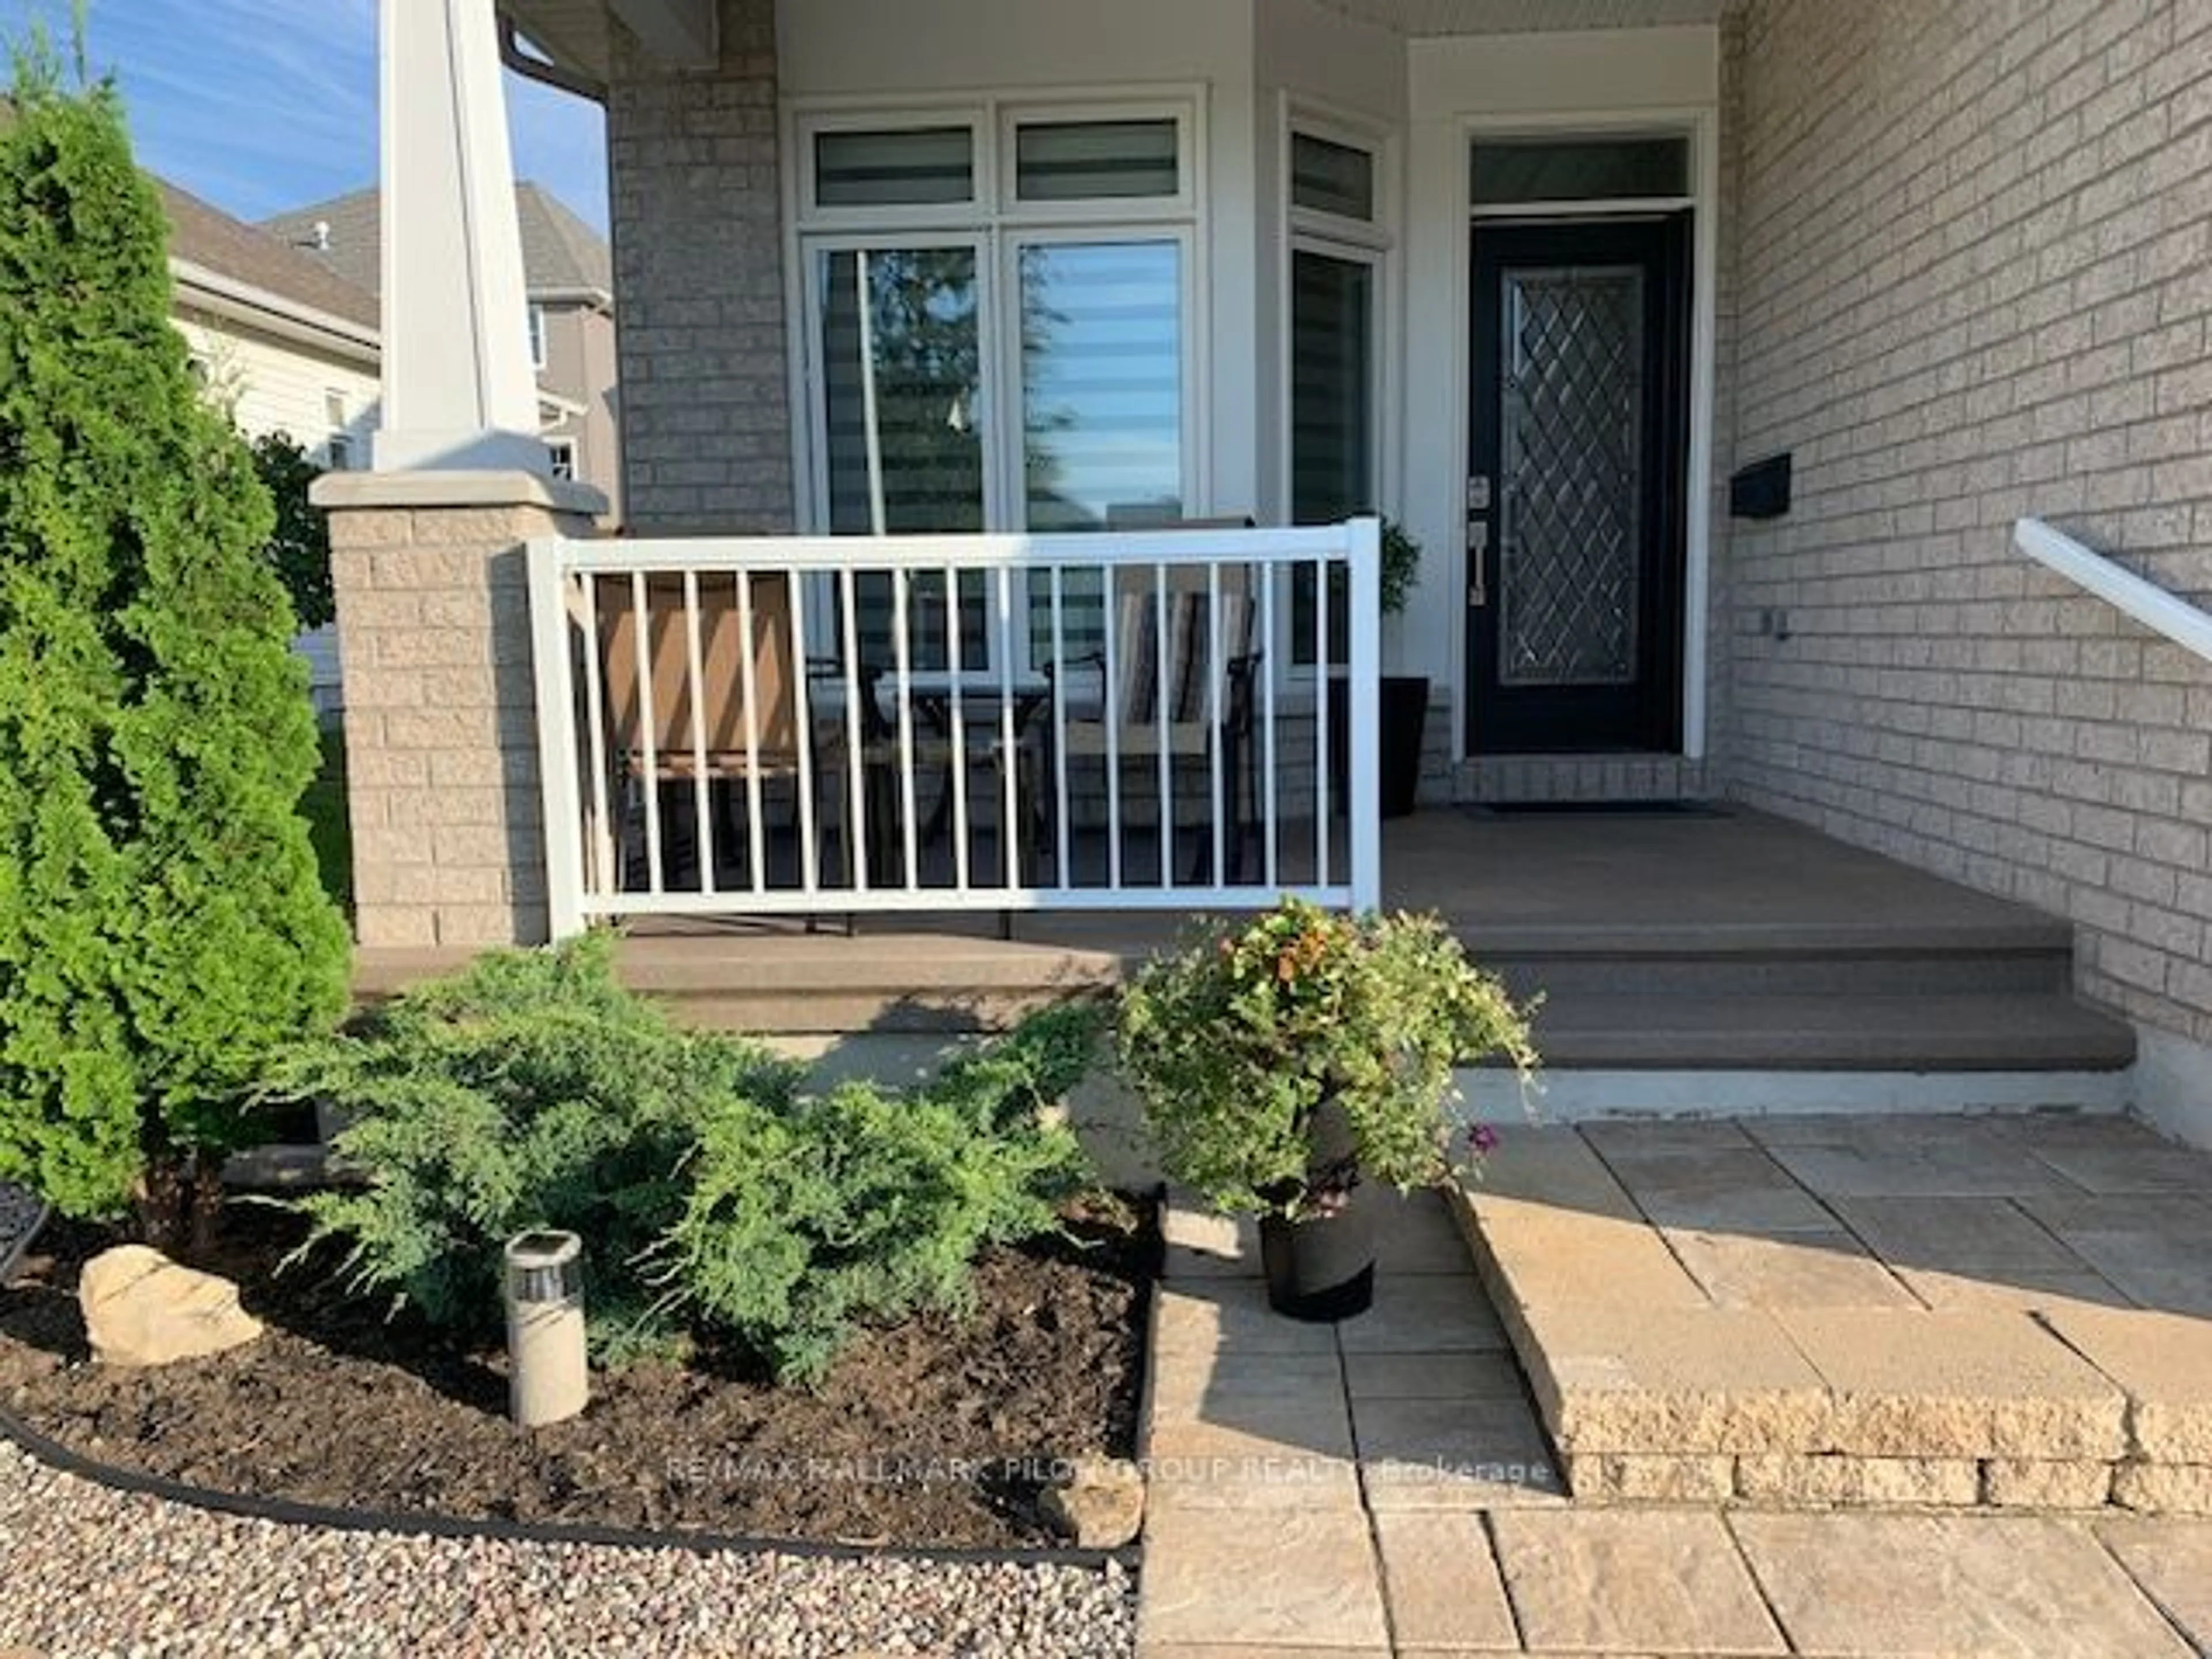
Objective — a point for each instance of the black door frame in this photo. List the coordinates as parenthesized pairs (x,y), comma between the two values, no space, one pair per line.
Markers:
(1648,716)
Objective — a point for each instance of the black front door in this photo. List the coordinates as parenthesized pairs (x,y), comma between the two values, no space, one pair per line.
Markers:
(1578,463)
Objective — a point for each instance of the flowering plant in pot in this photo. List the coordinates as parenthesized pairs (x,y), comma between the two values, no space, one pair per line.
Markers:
(1283,1061)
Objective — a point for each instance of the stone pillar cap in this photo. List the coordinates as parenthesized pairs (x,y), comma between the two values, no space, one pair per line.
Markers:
(339,491)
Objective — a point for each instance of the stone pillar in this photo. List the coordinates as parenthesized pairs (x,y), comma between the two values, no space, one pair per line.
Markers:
(441,742)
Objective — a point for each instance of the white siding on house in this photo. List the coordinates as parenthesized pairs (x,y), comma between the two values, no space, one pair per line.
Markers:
(272,385)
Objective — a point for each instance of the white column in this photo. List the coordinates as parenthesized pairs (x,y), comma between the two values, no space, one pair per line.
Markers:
(458,389)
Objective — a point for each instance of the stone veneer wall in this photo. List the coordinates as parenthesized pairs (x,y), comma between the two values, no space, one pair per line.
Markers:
(1973,266)
(442,774)
(698,258)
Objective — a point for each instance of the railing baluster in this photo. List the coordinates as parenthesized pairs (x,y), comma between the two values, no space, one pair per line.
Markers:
(749,685)
(701,799)
(1215,668)
(641,601)
(849,683)
(1110,710)
(1322,573)
(606,878)
(959,724)
(1162,715)
(1064,877)
(1010,825)
(1265,574)
(810,855)
(902,655)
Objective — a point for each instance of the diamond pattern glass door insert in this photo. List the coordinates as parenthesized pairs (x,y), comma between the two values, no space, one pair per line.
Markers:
(1570,493)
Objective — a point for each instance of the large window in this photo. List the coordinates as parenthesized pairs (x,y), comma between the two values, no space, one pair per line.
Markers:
(998,333)
(1336,255)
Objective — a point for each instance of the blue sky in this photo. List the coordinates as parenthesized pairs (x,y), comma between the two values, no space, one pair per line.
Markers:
(264,105)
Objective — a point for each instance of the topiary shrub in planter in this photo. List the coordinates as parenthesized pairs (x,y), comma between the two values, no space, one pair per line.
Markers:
(161,927)
(714,1198)
(1282,1061)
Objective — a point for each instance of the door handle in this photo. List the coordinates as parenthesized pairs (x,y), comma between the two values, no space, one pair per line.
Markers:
(1478,548)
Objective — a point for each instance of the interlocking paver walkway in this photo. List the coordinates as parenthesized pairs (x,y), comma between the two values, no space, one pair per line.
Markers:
(1363,1494)
(1968,1311)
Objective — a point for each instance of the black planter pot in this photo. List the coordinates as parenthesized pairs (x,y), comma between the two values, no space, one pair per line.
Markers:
(1319,1269)
(1405,705)
(1322,1267)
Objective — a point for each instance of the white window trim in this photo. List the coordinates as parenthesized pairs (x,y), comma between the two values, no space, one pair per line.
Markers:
(538,349)
(1701,124)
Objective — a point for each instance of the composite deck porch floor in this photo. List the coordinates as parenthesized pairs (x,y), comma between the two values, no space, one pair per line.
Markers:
(1667,940)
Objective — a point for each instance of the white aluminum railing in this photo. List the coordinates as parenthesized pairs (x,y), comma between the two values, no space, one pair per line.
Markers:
(804,725)
(2169,614)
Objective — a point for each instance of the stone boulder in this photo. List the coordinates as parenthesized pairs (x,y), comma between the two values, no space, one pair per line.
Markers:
(142,1309)
(1099,1505)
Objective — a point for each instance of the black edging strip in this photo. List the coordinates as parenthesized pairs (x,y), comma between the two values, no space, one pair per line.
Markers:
(293,1512)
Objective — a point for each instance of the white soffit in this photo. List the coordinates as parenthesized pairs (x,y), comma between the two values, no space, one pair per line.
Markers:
(1450,17)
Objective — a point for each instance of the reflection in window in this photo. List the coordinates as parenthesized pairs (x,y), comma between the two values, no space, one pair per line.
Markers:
(924,406)
(1101,406)
(1102,382)
(1331,421)
(922,401)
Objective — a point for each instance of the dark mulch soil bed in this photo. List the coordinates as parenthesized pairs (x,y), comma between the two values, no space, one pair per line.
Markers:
(933,1432)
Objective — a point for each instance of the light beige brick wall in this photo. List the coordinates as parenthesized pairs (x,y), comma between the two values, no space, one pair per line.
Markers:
(442,774)
(1973,258)
(698,256)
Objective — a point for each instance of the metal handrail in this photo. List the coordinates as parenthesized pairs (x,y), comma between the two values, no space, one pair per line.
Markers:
(2187,625)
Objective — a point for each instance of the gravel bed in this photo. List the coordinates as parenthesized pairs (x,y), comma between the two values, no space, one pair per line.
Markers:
(85,1571)
(21,1215)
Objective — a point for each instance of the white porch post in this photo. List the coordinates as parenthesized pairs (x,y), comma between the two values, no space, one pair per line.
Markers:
(458,389)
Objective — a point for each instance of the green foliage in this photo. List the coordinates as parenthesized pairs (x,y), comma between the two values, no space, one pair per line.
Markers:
(862,1203)
(298,548)
(1235,1043)
(161,927)
(1402,566)
(533,1092)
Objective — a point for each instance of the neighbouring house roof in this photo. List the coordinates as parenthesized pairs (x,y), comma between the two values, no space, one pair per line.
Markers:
(211,252)
(562,257)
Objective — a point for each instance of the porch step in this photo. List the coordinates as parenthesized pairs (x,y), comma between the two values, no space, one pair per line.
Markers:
(1938,1010)
(1865,1311)
(1959,1031)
